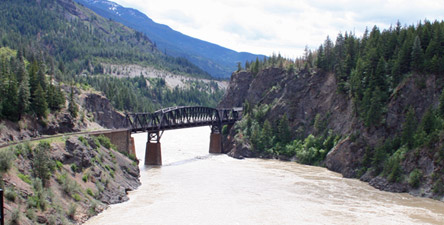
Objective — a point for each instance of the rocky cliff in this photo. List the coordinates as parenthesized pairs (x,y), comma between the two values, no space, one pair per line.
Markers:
(65,181)
(95,112)
(310,96)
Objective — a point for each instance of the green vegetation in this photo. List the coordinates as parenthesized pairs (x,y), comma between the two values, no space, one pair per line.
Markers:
(370,71)
(24,178)
(85,177)
(6,159)
(370,68)
(15,216)
(42,163)
(90,192)
(36,62)
(415,178)
(104,141)
(139,94)
(72,211)
(10,194)
(274,139)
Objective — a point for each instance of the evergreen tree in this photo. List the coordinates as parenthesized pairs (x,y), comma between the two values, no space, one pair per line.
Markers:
(24,95)
(41,77)
(239,67)
(10,109)
(374,112)
(72,105)
(417,62)
(428,123)
(267,137)
(409,128)
(441,105)
(283,130)
(39,104)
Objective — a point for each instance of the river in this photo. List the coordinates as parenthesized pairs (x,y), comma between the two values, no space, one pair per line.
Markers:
(195,187)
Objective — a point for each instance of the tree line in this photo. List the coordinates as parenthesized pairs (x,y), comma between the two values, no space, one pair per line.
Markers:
(25,88)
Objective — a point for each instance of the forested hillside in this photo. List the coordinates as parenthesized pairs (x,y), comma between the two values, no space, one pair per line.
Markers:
(49,46)
(220,62)
(368,107)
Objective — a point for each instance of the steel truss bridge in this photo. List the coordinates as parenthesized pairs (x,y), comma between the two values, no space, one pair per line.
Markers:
(182,117)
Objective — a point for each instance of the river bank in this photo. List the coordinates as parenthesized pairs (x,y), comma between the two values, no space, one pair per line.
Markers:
(64,180)
(195,187)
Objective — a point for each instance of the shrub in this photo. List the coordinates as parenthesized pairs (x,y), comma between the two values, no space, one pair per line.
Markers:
(76,197)
(15,216)
(392,168)
(415,178)
(30,214)
(59,165)
(38,200)
(132,157)
(24,178)
(90,192)
(10,194)
(92,209)
(225,130)
(74,167)
(52,220)
(72,211)
(438,187)
(6,158)
(83,140)
(105,142)
(85,177)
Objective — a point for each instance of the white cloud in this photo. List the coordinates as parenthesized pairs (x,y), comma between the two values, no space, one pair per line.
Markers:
(285,26)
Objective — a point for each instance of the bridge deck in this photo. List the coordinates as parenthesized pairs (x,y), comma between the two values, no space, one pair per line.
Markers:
(182,117)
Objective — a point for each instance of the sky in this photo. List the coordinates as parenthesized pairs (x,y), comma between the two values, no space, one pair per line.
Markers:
(282,26)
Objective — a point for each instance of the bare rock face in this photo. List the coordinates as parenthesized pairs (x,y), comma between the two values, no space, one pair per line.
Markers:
(78,153)
(125,174)
(237,90)
(345,157)
(104,113)
(306,94)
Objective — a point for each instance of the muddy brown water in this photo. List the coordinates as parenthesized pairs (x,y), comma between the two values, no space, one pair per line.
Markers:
(195,187)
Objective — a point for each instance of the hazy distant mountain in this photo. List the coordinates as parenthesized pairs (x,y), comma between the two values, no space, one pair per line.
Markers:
(216,60)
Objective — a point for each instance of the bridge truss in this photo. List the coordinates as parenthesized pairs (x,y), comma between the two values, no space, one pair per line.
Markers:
(181,117)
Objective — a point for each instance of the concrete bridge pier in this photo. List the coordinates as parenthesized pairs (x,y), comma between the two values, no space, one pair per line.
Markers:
(216,140)
(153,154)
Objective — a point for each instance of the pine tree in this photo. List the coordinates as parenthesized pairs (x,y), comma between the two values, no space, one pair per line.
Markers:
(10,108)
(417,63)
(239,67)
(72,106)
(428,123)
(41,77)
(33,80)
(441,105)
(284,132)
(409,128)
(39,104)
(24,95)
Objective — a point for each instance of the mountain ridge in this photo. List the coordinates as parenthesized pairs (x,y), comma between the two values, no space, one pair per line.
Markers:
(215,59)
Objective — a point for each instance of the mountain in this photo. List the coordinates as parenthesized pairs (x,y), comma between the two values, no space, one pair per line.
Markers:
(218,61)
(80,38)
(370,108)
(62,42)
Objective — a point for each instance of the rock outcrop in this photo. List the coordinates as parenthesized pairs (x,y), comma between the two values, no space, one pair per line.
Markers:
(103,112)
(307,94)
(85,177)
